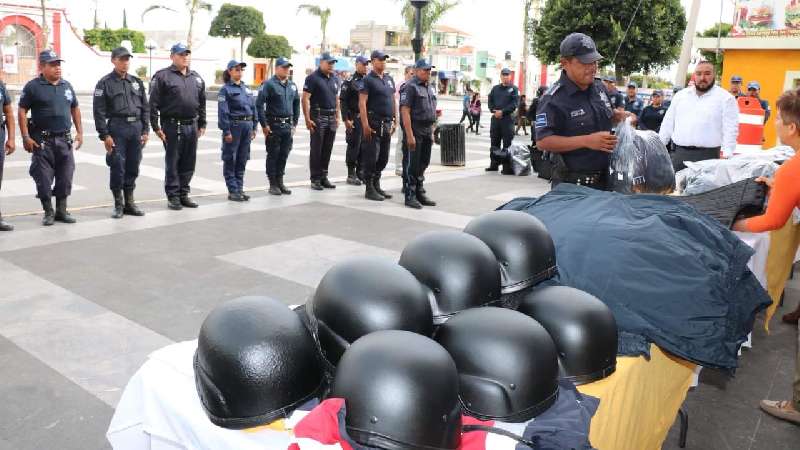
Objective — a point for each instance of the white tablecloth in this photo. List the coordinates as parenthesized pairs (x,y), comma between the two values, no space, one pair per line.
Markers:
(160,410)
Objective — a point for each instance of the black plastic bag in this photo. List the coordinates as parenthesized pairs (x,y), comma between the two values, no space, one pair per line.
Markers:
(640,163)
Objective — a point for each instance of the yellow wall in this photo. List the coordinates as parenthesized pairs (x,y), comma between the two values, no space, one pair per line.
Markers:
(769,68)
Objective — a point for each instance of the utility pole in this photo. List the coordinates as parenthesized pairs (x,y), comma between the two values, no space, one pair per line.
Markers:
(416,43)
(688,40)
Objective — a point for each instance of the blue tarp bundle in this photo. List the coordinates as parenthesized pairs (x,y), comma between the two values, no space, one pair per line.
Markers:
(671,275)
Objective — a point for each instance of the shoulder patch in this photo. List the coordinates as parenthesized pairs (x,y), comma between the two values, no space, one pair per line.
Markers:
(541,120)
(98,92)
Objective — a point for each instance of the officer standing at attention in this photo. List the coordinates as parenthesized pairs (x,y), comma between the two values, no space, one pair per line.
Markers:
(348,99)
(614,96)
(574,118)
(503,103)
(8,138)
(54,109)
(178,96)
(321,111)
(121,118)
(418,115)
(278,107)
(632,103)
(237,120)
(378,121)
(653,114)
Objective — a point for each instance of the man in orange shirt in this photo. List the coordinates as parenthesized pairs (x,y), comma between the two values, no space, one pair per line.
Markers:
(784,198)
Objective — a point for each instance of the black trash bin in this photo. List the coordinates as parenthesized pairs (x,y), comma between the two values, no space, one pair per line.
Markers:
(453,144)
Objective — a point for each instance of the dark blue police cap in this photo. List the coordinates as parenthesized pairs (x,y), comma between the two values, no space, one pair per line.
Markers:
(362,60)
(580,46)
(736,79)
(505,71)
(48,56)
(378,54)
(120,52)
(423,64)
(283,62)
(234,63)
(632,85)
(610,79)
(179,49)
(658,92)
(327,57)
(753,85)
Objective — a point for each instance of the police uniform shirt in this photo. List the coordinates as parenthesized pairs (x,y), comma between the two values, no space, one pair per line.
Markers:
(323,89)
(421,100)
(235,100)
(567,111)
(381,94)
(504,98)
(115,96)
(634,106)
(278,99)
(348,98)
(50,104)
(177,96)
(652,117)
(5,98)
(617,99)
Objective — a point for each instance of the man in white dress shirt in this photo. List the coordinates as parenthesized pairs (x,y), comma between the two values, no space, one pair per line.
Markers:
(702,122)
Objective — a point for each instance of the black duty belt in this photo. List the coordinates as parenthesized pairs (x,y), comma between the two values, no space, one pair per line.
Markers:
(179,121)
(127,118)
(324,112)
(275,119)
(380,119)
(54,134)
(694,148)
(586,178)
(242,118)
(422,123)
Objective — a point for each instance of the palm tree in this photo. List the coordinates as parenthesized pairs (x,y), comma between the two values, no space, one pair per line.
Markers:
(323,15)
(192,6)
(432,13)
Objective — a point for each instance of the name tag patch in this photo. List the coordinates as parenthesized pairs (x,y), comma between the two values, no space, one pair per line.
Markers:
(577,113)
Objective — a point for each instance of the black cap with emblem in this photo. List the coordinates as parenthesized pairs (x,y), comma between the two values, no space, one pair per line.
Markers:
(120,52)
(580,46)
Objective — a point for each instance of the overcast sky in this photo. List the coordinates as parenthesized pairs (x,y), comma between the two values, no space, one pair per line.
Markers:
(494,24)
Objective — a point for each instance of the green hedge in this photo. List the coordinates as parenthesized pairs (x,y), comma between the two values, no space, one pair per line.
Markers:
(108,39)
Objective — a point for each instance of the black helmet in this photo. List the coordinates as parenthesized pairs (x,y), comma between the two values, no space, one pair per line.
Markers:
(507,363)
(401,392)
(255,363)
(459,269)
(363,295)
(521,244)
(582,327)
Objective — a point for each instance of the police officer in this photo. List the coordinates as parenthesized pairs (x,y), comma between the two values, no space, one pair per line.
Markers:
(575,117)
(54,108)
(237,120)
(121,118)
(348,98)
(614,96)
(736,86)
(278,108)
(754,90)
(633,104)
(378,121)
(503,103)
(321,111)
(653,114)
(418,115)
(8,137)
(178,96)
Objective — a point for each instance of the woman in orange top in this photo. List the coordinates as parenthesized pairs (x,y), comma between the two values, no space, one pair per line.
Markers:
(784,197)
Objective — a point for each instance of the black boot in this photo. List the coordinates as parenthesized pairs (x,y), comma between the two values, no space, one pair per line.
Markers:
(187,201)
(130,205)
(326,183)
(423,199)
(235,197)
(283,188)
(62,215)
(377,182)
(244,196)
(493,167)
(371,194)
(315,185)
(352,178)
(174,203)
(49,215)
(5,226)
(119,205)
(274,189)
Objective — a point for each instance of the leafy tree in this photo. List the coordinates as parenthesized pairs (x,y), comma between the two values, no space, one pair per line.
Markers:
(269,46)
(108,39)
(431,14)
(653,40)
(323,15)
(192,7)
(237,21)
(724,29)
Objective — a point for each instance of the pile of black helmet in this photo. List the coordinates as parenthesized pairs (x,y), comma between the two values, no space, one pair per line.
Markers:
(412,346)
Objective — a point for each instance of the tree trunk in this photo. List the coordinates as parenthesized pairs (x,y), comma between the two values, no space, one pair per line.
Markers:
(618,75)
(241,48)
(191,25)
(45,28)
(526,38)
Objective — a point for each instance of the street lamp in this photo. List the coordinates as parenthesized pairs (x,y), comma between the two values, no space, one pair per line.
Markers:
(150,45)
(416,43)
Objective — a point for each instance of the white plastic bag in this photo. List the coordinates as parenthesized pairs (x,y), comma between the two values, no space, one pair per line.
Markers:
(703,176)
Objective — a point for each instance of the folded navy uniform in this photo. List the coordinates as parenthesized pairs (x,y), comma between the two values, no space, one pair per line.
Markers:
(729,203)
